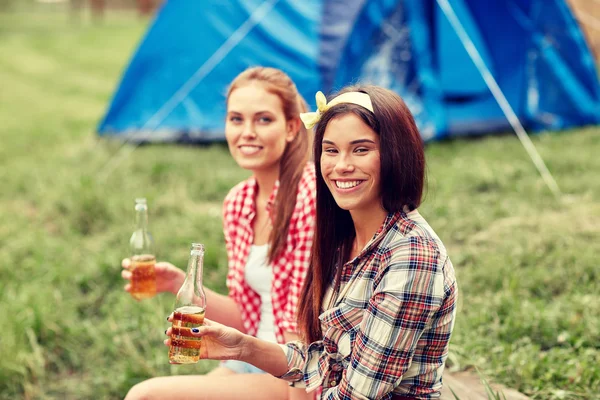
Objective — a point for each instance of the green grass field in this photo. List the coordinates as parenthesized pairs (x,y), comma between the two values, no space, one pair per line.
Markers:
(527,264)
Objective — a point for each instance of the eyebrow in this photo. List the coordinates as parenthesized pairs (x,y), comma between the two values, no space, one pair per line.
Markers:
(357,141)
(256,113)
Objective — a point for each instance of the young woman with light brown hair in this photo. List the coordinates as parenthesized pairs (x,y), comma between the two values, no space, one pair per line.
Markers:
(268,222)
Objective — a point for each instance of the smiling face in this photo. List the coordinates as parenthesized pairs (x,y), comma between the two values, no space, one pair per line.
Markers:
(351,165)
(256,129)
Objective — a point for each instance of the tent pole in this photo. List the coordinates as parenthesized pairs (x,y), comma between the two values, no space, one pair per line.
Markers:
(500,98)
(163,112)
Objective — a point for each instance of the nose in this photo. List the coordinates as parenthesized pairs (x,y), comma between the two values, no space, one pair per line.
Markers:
(249,132)
(344,164)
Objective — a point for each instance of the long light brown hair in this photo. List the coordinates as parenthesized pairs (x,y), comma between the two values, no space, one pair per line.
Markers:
(402,174)
(295,155)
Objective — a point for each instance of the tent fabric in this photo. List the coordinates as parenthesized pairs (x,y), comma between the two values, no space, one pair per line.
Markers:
(175,85)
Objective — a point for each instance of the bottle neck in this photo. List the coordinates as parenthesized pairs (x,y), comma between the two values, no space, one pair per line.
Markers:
(141,218)
(194,270)
(192,292)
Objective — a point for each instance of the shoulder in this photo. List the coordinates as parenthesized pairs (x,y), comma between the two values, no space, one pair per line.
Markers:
(411,241)
(414,260)
(307,187)
(307,190)
(305,210)
(308,182)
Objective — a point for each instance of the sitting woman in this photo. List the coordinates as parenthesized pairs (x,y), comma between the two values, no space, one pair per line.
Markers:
(268,222)
(378,307)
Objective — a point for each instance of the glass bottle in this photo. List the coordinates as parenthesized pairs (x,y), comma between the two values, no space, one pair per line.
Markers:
(141,244)
(189,311)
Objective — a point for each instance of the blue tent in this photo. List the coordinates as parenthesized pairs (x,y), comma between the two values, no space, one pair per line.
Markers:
(453,62)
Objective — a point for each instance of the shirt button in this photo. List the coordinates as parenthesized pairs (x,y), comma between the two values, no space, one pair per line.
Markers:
(333,383)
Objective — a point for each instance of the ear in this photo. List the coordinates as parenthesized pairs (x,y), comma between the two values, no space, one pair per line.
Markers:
(293,127)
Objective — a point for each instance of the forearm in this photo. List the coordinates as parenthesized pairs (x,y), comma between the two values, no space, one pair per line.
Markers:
(223,309)
(265,355)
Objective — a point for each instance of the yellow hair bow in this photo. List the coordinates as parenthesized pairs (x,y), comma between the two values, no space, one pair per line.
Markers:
(310,119)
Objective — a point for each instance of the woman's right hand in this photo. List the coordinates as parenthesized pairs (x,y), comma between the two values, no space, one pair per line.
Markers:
(219,342)
(169,278)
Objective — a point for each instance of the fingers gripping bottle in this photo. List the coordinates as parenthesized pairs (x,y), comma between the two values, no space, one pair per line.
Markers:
(141,244)
(189,311)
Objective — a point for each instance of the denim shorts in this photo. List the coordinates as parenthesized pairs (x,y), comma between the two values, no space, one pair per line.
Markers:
(240,367)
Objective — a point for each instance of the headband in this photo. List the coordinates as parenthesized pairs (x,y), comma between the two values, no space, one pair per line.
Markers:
(310,119)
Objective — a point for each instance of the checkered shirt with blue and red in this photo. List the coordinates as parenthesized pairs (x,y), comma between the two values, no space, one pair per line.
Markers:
(386,331)
(291,265)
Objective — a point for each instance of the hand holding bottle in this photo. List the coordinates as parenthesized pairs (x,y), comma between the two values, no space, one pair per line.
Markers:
(169,278)
(219,342)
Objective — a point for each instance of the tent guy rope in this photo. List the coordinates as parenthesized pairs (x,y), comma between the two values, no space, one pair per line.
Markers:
(499,96)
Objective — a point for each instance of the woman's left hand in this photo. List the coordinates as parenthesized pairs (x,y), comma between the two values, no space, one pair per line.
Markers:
(219,342)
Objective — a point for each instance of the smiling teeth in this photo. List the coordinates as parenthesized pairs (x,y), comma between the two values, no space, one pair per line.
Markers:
(346,185)
(249,150)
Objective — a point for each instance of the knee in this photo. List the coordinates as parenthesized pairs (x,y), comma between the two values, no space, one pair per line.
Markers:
(141,391)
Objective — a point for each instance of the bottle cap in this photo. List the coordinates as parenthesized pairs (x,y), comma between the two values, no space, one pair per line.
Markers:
(198,247)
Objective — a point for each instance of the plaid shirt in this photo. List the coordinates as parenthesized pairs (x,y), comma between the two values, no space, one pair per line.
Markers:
(289,270)
(387,331)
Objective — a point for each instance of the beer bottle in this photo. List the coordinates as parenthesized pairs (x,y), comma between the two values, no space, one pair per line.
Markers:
(143,278)
(189,311)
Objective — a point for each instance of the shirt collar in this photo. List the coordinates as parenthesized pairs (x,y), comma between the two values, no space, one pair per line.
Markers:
(403,222)
(400,221)
(249,206)
(387,224)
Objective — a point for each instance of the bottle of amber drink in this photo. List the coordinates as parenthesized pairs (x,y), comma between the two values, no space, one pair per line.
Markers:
(143,279)
(189,311)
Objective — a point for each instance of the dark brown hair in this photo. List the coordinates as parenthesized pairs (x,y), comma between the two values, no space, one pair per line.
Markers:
(295,155)
(402,177)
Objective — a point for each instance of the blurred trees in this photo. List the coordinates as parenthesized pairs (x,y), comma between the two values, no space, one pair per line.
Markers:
(96,7)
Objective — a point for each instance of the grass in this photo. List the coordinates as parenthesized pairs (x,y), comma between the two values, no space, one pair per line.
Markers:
(527,265)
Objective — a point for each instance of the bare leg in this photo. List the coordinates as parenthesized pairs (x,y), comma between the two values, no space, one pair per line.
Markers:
(221,371)
(219,384)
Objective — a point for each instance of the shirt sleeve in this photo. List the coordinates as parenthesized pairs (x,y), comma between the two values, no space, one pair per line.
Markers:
(408,292)
(302,232)
(296,357)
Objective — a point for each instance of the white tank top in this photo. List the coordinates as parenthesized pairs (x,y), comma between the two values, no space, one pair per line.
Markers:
(259,276)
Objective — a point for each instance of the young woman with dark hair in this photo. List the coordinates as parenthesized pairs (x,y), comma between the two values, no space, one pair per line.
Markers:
(268,222)
(377,310)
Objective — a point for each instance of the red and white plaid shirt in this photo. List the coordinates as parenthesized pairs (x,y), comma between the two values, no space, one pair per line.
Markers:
(291,266)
